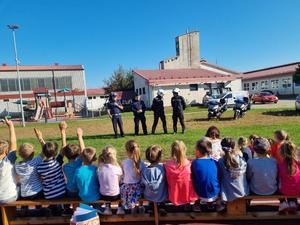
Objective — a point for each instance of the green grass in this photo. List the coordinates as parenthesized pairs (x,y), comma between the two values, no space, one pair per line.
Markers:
(255,122)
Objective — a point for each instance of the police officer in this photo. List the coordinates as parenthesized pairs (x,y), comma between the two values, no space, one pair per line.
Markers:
(138,108)
(178,105)
(159,112)
(114,109)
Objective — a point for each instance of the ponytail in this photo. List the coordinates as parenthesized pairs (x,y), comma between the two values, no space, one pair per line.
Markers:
(288,152)
(228,146)
(134,152)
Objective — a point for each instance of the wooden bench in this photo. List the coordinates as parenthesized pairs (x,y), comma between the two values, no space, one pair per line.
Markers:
(236,210)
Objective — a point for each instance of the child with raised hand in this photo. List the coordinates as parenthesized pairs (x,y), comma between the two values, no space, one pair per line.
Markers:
(154,177)
(262,170)
(232,170)
(205,174)
(244,148)
(8,187)
(85,176)
(131,190)
(179,176)
(213,134)
(280,136)
(109,175)
(72,153)
(289,176)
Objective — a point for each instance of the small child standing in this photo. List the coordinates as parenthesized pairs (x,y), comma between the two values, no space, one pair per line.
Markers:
(289,176)
(8,187)
(179,176)
(109,175)
(232,172)
(280,137)
(243,146)
(131,190)
(85,177)
(262,170)
(205,173)
(154,177)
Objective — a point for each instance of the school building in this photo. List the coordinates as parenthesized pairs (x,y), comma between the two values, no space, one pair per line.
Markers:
(63,82)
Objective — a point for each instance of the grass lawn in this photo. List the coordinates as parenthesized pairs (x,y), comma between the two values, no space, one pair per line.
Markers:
(98,131)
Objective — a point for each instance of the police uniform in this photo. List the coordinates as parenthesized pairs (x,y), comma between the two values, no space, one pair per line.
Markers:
(159,113)
(136,106)
(116,119)
(178,105)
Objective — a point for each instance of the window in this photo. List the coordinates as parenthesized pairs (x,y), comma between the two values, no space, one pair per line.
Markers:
(25,83)
(12,85)
(140,91)
(246,86)
(264,84)
(287,82)
(254,86)
(193,87)
(137,91)
(3,85)
(144,91)
(274,84)
(228,96)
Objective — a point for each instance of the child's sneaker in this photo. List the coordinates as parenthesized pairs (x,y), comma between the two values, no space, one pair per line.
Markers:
(141,210)
(120,211)
(292,207)
(283,206)
(220,207)
(197,208)
(107,211)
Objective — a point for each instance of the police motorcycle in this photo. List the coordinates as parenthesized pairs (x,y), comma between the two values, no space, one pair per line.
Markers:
(240,107)
(216,108)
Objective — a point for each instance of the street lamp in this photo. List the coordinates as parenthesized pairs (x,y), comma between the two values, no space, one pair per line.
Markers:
(14,27)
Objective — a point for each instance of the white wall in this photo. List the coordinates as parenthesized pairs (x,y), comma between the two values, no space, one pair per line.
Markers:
(141,83)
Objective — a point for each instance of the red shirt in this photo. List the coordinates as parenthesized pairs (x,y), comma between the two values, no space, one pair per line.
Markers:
(180,184)
(275,152)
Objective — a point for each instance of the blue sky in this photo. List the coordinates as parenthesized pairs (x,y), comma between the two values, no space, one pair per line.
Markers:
(102,34)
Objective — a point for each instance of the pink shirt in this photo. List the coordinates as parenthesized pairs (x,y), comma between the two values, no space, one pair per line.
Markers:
(289,185)
(180,184)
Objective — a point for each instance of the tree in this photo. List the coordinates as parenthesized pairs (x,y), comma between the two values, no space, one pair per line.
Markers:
(120,80)
(296,78)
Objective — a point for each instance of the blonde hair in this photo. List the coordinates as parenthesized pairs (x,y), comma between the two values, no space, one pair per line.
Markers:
(288,152)
(242,142)
(134,153)
(108,156)
(281,135)
(178,152)
(3,146)
(26,151)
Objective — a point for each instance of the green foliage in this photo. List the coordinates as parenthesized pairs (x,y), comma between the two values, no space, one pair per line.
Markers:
(120,80)
(296,75)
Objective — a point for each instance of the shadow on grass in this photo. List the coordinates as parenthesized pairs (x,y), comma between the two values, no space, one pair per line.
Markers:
(213,119)
(282,113)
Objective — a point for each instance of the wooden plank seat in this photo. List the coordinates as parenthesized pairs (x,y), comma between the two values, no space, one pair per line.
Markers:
(236,210)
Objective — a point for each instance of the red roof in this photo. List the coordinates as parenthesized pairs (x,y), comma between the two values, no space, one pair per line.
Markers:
(96,91)
(286,69)
(39,68)
(183,76)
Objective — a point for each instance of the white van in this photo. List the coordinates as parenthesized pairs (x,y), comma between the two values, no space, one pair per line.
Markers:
(231,96)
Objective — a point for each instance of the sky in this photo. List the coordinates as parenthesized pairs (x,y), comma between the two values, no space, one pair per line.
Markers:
(241,35)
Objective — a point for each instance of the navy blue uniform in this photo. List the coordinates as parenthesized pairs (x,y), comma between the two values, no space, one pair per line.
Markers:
(178,105)
(116,119)
(159,113)
(136,106)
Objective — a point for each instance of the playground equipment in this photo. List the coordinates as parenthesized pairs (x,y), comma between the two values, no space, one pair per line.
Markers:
(42,97)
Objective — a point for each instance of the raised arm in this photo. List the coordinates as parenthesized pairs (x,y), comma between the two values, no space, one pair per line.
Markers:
(39,136)
(80,139)
(63,133)
(12,135)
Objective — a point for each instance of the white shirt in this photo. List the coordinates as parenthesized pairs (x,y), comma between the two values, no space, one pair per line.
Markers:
(109,177)
(8,187)
(130,176)
(217,151)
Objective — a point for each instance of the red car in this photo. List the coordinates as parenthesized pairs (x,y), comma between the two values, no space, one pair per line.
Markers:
(264,97)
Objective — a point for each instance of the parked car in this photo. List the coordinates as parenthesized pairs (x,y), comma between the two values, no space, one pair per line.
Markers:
(297,103)
(264,97)
(231,96)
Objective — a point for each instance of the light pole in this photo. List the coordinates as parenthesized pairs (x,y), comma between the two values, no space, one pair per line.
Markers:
(14,27)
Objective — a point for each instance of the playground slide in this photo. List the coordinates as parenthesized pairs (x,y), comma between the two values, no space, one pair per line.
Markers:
(39,113)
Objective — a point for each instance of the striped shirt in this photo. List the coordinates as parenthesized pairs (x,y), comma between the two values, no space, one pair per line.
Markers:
(8,187)
(52,177)
(31,183)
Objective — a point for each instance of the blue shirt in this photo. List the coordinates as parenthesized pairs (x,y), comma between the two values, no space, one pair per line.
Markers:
(86,181)
(69,171)
(138,105)
(113,108)
(155,182)
(205,177)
